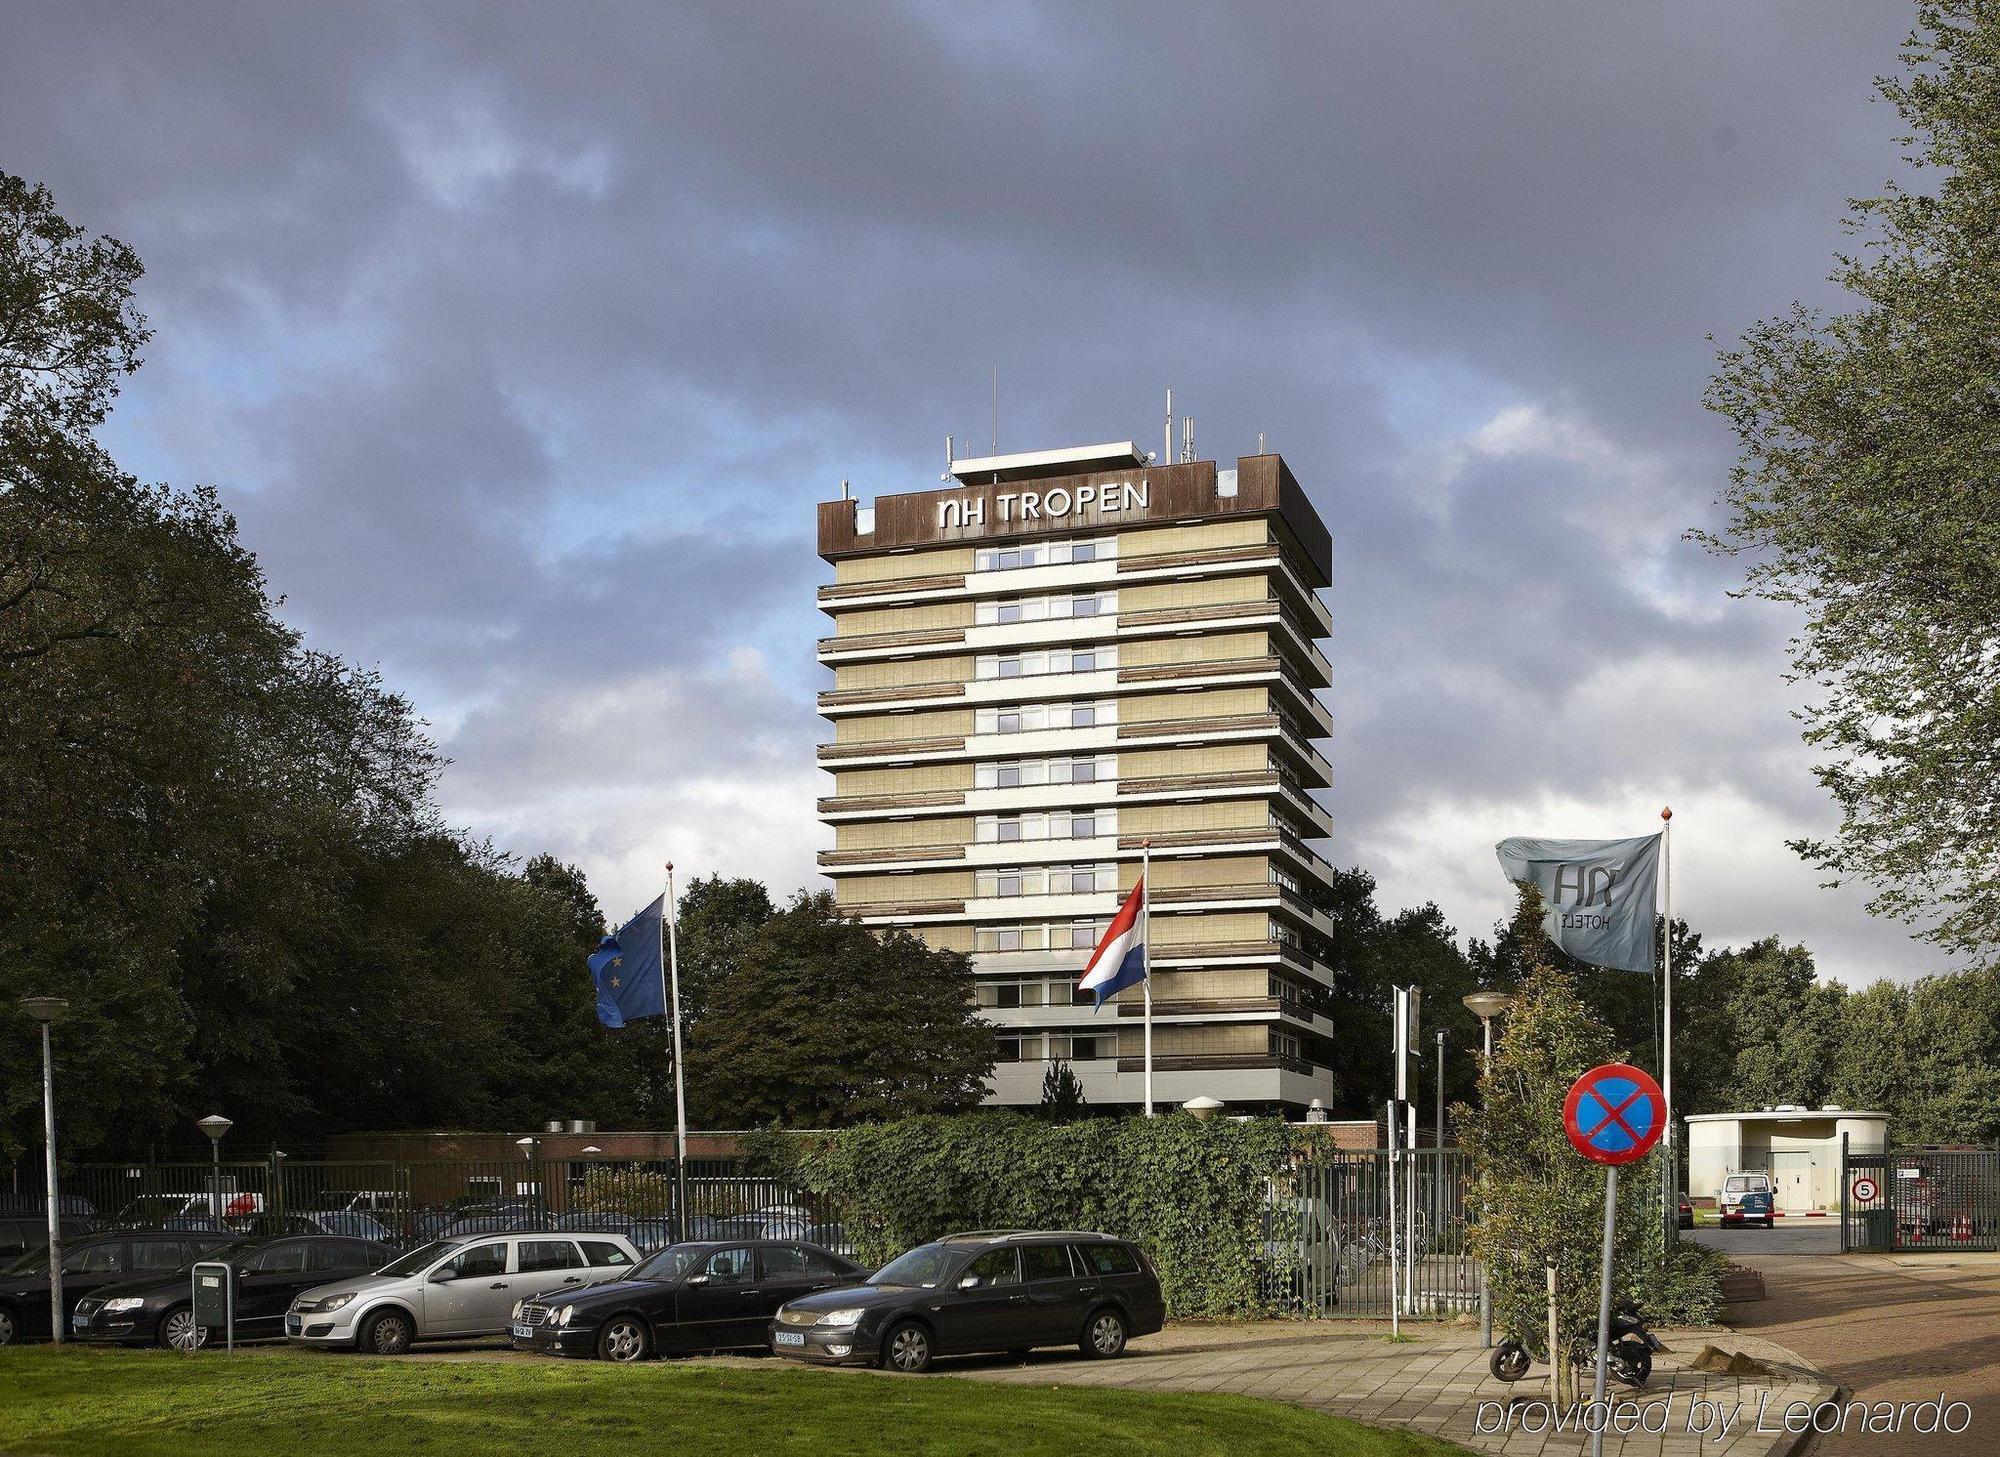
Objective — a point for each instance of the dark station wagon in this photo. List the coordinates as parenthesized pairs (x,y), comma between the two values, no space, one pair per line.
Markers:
(990,1290)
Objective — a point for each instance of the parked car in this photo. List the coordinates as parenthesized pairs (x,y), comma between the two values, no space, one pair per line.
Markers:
(36,1204)
(1006,1290)
(163,1211)
(452,1289)
(88,1266)
(509,1216)
(23,1234)
(348,1223)
(688,1297)
(159,1309)
(1742,1188)
(1685,1218)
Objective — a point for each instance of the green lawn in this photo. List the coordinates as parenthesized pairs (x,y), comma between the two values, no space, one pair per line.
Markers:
(276,1403)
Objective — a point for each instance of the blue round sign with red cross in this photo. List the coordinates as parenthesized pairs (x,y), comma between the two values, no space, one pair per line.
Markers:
(1614,1114)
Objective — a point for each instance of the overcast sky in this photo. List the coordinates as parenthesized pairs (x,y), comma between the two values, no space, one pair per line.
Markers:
(523,338)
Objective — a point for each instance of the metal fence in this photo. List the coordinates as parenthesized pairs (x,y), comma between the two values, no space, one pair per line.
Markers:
(409,1202)
(1328,1231)
(1919,1199)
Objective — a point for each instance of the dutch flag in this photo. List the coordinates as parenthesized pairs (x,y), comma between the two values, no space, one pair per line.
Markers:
(1120,958)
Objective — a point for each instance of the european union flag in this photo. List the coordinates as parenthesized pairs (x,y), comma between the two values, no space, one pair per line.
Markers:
(626,968)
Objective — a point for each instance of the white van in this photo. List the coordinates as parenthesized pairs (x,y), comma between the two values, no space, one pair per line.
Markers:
(1736,1188)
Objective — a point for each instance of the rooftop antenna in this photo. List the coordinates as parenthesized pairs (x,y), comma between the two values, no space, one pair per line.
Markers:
(996,409)
(1260,442)
(949,458)
(1187,440)
(1167,446)
(844,493)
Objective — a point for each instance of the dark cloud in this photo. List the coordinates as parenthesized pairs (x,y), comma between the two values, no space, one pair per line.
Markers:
(525,338)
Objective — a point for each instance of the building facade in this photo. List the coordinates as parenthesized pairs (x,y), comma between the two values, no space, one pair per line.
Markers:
(1043,667)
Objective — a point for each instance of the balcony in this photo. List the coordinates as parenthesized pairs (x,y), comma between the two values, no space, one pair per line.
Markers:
(902,910)
(892,586)
(1201,1062)
(1182,894)
(862,642)
(1210,612)
(1199,1006)
(1190,839)
(1258,551)
(865,803)
(1189,783)
(894,693)
(1179,728)
(891,854)
(939,744)
(1219,668)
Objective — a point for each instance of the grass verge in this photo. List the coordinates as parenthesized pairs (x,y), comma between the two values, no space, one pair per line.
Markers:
(278,1403)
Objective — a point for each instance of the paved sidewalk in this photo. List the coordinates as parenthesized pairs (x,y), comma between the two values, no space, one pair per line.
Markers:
(1438,1383)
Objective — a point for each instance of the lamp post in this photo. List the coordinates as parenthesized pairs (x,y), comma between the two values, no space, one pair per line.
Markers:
(45,1010)
(1486,1006)
(215,1125)
(527,1147)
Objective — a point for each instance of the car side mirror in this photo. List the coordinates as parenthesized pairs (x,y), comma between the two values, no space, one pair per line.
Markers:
(970,1282)
(443,1277)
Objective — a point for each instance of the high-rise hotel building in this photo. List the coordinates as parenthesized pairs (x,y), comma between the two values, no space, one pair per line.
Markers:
(1041,667)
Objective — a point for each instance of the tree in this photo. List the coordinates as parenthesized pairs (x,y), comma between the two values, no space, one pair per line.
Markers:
(1062,1094)
(1866,495)
(824,1022)
(1539,1205)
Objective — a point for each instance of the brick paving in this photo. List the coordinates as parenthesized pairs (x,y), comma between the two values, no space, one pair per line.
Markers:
(1436,1381)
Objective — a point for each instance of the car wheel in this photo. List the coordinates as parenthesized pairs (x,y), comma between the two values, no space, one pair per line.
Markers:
(1509,1361)
(178,1332)
(906,1348)
(1103,1335)
(622,1339)
(10,1330)
(387,1333)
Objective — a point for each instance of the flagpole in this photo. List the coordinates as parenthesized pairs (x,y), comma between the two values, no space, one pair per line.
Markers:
(670,976)
(1670,1194)
(1146,957)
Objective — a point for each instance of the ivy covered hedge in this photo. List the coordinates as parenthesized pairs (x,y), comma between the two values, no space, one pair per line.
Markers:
(1192,1193)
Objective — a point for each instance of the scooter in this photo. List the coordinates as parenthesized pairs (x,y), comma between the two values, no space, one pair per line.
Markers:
(1629,1360)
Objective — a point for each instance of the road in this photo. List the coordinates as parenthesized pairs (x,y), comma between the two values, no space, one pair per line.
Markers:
(1886,1327)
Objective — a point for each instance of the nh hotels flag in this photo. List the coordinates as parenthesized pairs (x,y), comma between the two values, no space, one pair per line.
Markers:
(1120,958)
(1601,894)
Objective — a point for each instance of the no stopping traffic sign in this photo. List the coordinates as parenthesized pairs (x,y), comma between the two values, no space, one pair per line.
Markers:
(1614,1114)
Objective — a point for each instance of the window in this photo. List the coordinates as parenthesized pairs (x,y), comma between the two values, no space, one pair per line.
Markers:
(276,1259)
(1045,1262)
(478,1263)
(343,1254)
(780,1262)
(728,1267)
(1083,715)
(821,1267)
(599,1254)
(1107,1259)
(1284,1044)
(93,1260)
(1082,827)
(995,1267)
(158,1254)
(1007,776)
(549,1254)
(1081,1048)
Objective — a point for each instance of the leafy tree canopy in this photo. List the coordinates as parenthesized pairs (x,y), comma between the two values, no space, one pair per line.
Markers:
(1867,495)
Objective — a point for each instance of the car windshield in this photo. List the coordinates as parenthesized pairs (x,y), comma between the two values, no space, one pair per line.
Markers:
(670,1263)
(419,1258)
(925,1266)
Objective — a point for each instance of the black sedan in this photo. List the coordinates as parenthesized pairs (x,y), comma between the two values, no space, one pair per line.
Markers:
(88,1266)
(268,1273)
(711,1296)
(994,1290)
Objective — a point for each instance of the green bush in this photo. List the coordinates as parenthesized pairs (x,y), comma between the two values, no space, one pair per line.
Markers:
(1192,1193)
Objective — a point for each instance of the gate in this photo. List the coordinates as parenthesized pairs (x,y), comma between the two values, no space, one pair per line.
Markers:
(1919,1199)
(1326,1237)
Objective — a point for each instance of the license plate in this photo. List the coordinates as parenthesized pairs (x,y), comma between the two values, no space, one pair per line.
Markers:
(524,1332)
(81,1322)
(788,1338)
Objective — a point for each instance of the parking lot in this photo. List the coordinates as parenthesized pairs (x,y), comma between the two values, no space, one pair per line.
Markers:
(1795,1236)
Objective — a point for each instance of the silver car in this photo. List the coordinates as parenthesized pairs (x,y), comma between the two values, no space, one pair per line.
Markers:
(453,1289)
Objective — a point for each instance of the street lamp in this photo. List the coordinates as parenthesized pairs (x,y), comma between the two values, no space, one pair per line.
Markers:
(215,1125)
(45,1010)
(1486,1006)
